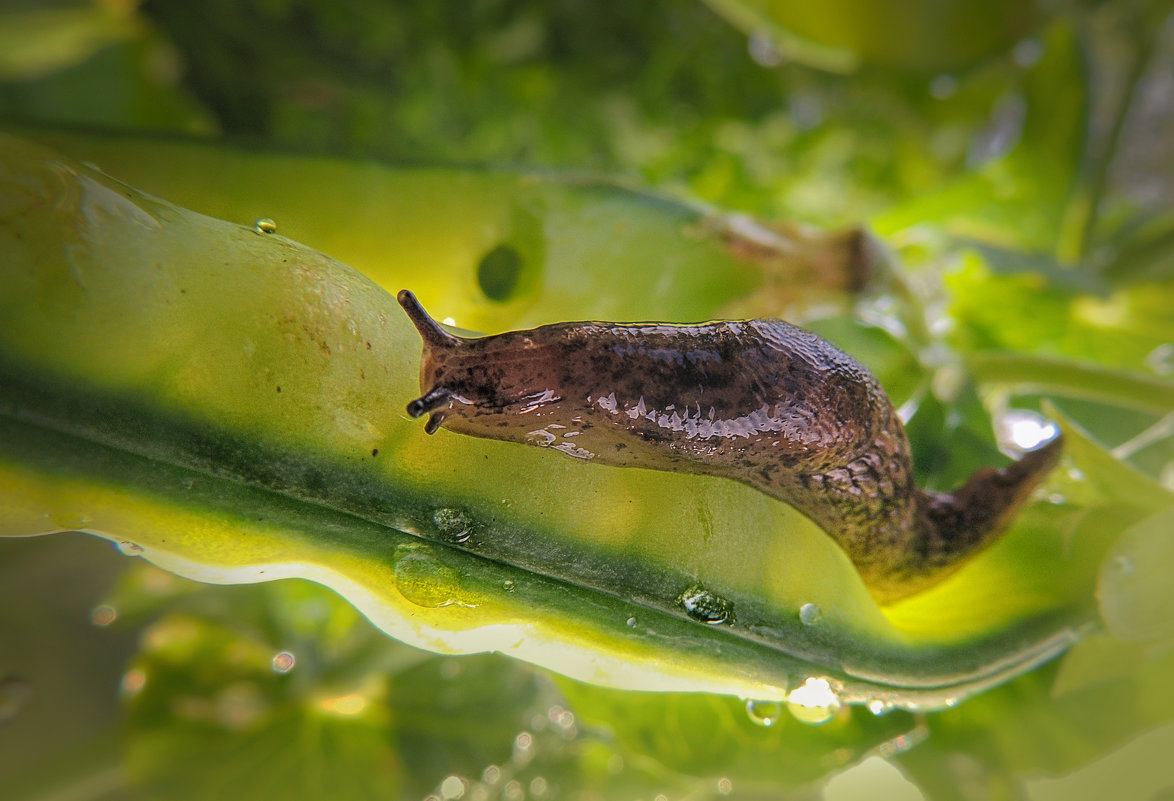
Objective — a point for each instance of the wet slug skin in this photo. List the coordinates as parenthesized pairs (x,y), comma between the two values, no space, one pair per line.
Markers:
(762,402)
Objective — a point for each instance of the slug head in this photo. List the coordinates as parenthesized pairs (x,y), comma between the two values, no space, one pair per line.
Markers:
(484,386)
(439,398)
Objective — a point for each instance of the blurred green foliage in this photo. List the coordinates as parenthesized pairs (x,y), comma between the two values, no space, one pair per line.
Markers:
(1028,190)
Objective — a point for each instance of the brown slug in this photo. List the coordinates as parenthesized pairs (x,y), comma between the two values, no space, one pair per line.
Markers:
(762,402)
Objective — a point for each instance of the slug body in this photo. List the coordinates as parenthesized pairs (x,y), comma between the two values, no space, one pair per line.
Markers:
(761,402)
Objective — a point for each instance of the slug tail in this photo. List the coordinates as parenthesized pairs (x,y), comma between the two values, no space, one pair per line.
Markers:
(434,336)
(972,517)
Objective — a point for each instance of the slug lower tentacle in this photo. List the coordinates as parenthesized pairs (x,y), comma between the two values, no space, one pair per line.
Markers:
(762,402)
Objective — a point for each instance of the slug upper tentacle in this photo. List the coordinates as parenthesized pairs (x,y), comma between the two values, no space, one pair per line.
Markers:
(761,402)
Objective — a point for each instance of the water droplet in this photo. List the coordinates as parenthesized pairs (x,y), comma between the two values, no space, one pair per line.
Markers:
(878,707)
(810,614)
(702,605)
(129,548)
(508,585)
(523,744)
(283,662)
(264,225)
(453,525)
(764,713)
(422,579)
(724,786)
(562,718)
(631,622)
(1022,430)
(538,786)
(103,615)
(453,787)
(814,702)
(491,774)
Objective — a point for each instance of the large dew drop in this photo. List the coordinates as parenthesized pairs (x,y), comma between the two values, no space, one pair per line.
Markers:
(814,702)
(422,579)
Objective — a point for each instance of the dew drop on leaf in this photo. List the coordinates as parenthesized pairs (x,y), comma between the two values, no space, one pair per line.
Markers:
(814,702)
(810,614)
(422,579)
(453,525)
(702,605)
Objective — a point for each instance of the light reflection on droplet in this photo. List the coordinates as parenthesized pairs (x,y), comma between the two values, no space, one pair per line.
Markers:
(265,225)
(283,662)
(452,787)
(523,747)
(764,713)
(631,622)
(1022,430)
(103,615)
(810,614)
(814,702)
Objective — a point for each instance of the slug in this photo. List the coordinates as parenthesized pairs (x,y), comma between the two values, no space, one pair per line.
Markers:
(762,402)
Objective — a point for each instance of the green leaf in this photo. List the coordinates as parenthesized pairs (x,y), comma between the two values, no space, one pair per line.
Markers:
(1134,588)
(230,403)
